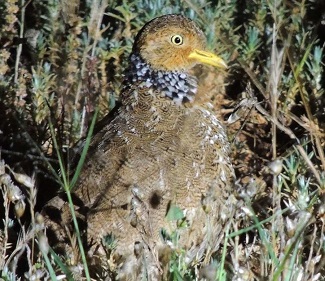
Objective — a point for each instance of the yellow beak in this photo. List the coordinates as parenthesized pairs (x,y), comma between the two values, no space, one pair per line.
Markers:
(208,58)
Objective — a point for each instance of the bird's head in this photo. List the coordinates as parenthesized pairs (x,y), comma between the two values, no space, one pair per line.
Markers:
(164,49)
(174,43)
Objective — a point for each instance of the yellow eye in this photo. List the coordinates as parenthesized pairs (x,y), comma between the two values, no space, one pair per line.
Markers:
(177,39)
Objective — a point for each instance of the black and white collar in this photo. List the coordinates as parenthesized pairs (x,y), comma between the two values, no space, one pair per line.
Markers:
(176,85)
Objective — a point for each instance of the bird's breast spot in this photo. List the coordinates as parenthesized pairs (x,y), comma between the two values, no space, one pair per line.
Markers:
(161,179)
(98,180)
(207,113)
(223,175)
(136,192)
(148,83)
(216,137)
(215,122)
(188,184)
(173,82)
(180,84)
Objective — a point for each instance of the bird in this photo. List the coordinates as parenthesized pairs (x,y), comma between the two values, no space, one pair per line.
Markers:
(158,175)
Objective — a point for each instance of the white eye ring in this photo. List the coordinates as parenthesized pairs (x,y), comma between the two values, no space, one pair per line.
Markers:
(177,39)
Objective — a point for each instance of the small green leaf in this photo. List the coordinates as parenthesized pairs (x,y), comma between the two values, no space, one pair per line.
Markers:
(175,213)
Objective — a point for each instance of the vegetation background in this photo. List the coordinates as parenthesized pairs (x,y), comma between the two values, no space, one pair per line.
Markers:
(61,60)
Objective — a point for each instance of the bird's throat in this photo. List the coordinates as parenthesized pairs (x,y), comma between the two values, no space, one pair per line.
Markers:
(176,85)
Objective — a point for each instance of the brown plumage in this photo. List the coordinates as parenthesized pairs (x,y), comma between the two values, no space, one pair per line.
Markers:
(160,152)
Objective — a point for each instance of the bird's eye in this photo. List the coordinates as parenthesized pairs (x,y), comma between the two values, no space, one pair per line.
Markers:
(177,39)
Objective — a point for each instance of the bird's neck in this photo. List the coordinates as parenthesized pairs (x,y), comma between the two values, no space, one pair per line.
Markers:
(176,85)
